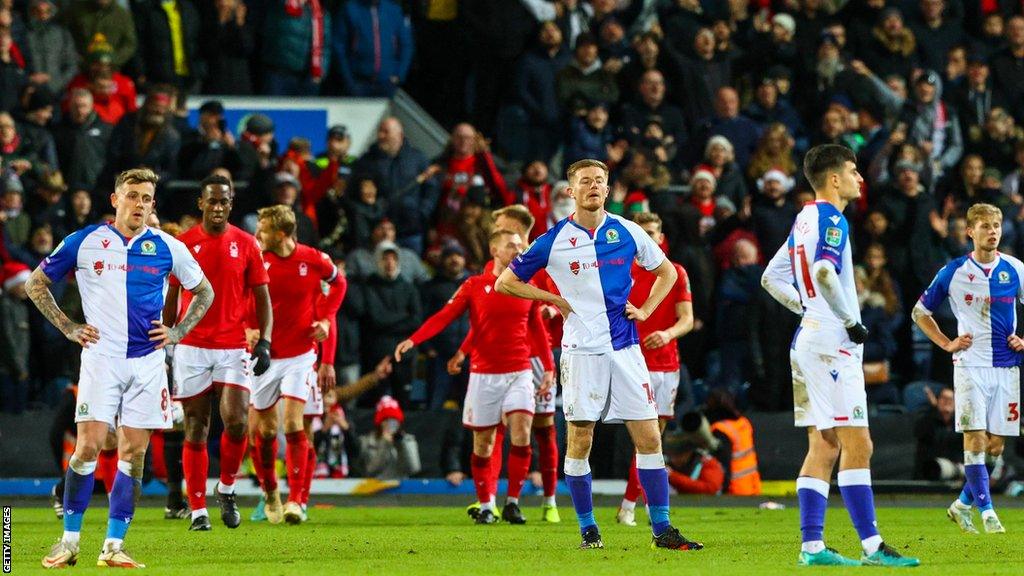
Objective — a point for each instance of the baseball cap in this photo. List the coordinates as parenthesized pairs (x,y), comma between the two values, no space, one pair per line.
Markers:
(339,131)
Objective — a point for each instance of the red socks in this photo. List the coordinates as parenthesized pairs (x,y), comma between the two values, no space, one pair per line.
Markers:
(547,444)
(633,483)
(196,464)
(264,457)
(232,451)
(107,467)
(518,468)
(308,473)
(295,458)
(499,446)
(481,468)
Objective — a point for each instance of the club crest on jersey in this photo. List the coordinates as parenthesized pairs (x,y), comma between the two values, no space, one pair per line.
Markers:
(1004,277)
(968,299)
(105,242)
(148,248)
(833,236)
(83,409)
(572,241)
(303,269)
(233,249)
(858,413)
(97,267)
(611,236)
(574,267)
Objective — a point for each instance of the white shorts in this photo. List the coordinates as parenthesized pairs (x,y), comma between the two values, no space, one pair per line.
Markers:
(828,391)
(491,395)
(131,390)
(197,369)
(544,404)
(665,385)
(613,387)
(987,399)
(315,400)
(286,377)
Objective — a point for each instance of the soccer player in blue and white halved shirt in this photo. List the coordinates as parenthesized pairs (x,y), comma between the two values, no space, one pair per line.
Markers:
(121,268)
(983,288)
(812,275)
(589,256)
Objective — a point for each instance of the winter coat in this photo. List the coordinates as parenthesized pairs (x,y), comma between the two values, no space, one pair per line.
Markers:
(372,42)
(156,52)
(51,49)
(227,49)
(85,19)
(410,203)
(535,86)
(932,122)
(288,41)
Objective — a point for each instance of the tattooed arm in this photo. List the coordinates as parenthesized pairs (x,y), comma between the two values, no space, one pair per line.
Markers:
(202,298)
(38,289)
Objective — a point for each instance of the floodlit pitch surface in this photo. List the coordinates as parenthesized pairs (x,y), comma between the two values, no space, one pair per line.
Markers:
(361,540)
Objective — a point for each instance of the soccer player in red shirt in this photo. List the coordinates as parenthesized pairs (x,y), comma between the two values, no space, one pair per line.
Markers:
(213,359)
(518,218)
(671,320)
(500,380)
(296,272)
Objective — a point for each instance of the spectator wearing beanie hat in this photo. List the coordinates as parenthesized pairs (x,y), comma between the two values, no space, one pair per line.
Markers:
(702,196)
(772,213)
(388,453)
(113,93)
(14,338)
(89,20)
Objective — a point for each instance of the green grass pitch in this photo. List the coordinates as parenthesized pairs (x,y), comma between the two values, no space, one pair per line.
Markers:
(357,540)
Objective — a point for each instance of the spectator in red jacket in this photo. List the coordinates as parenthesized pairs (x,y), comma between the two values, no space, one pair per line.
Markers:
(113,93)
(691,470)
(533,190)
(466,161)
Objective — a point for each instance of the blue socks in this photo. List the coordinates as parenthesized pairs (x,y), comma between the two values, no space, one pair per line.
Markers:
(966,496)
(578,478)
(977,480)
(122,502)
(812,495)
(654,480)
(78,484)
(855,486)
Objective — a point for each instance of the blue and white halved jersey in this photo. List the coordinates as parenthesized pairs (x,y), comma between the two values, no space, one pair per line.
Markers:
(122,282)
(821,232)
(592,272)
(983,299)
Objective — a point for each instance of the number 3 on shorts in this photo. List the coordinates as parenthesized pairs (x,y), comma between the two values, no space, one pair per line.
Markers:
(1014,413)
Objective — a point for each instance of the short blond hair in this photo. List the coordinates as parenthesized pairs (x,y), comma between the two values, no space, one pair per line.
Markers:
(517,212)
(280,217)
(498,233)
(979,211)
(136,176)
(585,163)
(642,218)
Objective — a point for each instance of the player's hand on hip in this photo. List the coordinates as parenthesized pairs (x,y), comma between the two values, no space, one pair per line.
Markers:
(657,339)
(163,335)
(319,330)
(962,342)
(325,377)
(403,347)
(83,334)
(1016,343)
(455,363)
(547,382)
(635,314)
(563,306)
(858,333)
(261,357)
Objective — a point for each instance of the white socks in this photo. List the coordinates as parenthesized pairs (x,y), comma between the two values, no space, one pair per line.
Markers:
(812,547)
(200,512)
(628,505)
(225,488)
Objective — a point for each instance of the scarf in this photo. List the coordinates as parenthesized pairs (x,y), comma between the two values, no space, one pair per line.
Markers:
(7,149)
(293,8)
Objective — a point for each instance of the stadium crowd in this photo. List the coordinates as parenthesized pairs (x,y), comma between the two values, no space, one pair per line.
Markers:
(702,108)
